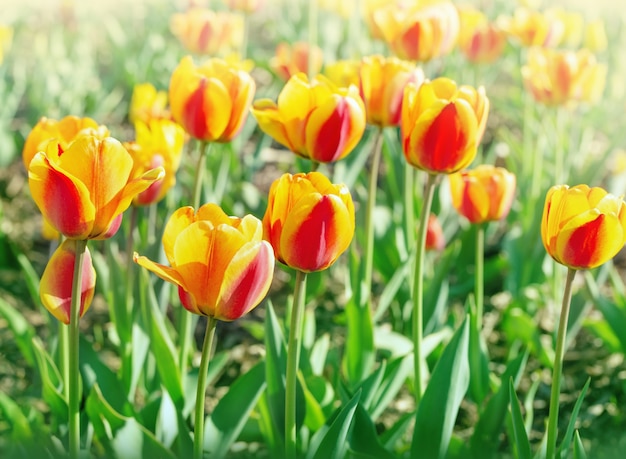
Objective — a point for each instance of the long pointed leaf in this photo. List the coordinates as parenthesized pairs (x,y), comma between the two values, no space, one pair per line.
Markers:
(569,433)
(522,445)
(23,332)
(579,448)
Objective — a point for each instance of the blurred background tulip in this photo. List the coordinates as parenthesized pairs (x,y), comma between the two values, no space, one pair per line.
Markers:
(343,73)
(480,40)
(6,37)
(56,282)
(583,227)
(83,190)
(290,59)
(147,103)
(222,266)
(309,221)
(244,6)
(211,101)
(435,239)
(315,120)
(483,194)
(442,125)
(534,28)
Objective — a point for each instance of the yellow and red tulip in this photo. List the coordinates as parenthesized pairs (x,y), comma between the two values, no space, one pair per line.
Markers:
(291,59)
(147,103)
(314,120)
(480,40)
(382,83)
(420,33)
(560,77)
(435,239)
(483,194)
(534,28)
(222,266)
(343,73)
(309,221)
(63,132)
(442,125)
(211,101)
(55,289)
(158,143)
(212,33)
(83,190)
(583,227)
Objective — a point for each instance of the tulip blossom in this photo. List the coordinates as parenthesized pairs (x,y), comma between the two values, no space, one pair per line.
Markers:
(291,59)
(314,120)
(63,132)
(583,227)
(435,239)
(222,266)
(82,191)
(245,6)
(382,83)
(595,39)
(55,289)
(556,77)
(211,101)
(212,33)
(442,125)
(483,194)
(343,73)
(147,103)
(420,33)
(158,143)
(480,40)
(309,221)
(534,28)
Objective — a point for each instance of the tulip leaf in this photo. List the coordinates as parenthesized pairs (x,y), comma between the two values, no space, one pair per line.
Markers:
(391,436)
(522,445)
(52,386)
(438,408)
(319,353)
(396,373)
(579,448)
(491,420)
(567,438)
(363,439)
(23,332)
(121,436)
(330,442)
(359,349)
(391,289)
(30,276)
(18,423)
(233,410)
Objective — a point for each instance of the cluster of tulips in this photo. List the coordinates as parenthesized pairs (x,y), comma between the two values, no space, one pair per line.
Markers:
(83,180)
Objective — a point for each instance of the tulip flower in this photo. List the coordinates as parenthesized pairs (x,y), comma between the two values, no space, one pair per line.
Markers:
(595,39)
(291,59)
(212,33)
(435,239)
(222,266)
(442,125)
(382,83)
(420,33)
(534,28)
(244,6)
(211,101)
(147,103)
(309,221)
(83,190)
(583,227)
(556,77)
(158,143)
(343,73)
(483,194)
(314,120)
(63,132)
(480,40)
(55,289)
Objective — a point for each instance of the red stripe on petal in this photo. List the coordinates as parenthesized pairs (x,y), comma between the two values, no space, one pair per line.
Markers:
(194,117)
(444,141)
(332,136)
(64,206)
(581,250)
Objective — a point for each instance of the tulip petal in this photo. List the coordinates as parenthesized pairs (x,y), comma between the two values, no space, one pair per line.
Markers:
(271,122)
(179,220)
(164,272)
(55,289)
(62,199)
(246,280)
(207,110)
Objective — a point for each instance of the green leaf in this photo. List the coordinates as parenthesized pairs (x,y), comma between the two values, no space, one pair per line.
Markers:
(233,410)
(522,445)
(330,442)
(121,436)
(19,424)
(567,439)
(579,448)
(30,276)
(23,332)
(363,439)
(478,358)
(52,386)
(437,411)
(391,289)
(396,372)
(359,349)
(391,436)
(486,432)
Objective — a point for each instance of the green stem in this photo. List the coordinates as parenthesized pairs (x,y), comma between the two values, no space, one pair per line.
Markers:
(557,369)
(127,345)
(198,437)
(409,206)
(479,279)
(74,386)
(418,285)
(64,358)
(369,217)
(200,166)
(312,37)
(293,357)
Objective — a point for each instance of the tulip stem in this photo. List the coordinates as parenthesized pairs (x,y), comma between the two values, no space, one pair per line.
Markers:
(369,217)
(198,437)
(409,206)
(418,285)
(293,357)
(64,356)
(73,407)
(557,369)
(186,319)
(479,275)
